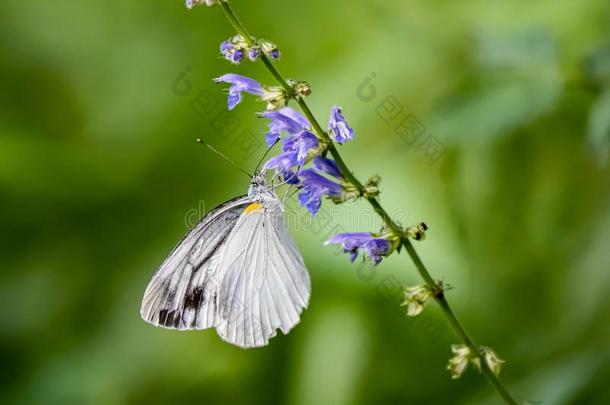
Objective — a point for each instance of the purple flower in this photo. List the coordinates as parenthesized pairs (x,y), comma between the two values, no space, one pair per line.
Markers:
(254,54)
(375,248)
(297,150)
(275,54)
(338,125)
(284,120)
(237,57)
(226,47)
(271,138)
(327,166)
(315,186)
(283,164)
(301,146)
(240,84)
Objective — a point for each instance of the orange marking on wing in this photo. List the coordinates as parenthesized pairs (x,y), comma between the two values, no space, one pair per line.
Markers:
(254,207)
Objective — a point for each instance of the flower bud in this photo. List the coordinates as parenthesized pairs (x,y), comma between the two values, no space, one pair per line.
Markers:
(462,357)
(275,97)
(493,361)
(237,57)
(254,54)
(417,232)
(237,38)
(302,89)
(371,188)
(226,46)
(270,49)
(193,3)
(416,299)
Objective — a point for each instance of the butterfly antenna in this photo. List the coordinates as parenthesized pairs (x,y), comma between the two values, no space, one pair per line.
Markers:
(258,165)
(225,157)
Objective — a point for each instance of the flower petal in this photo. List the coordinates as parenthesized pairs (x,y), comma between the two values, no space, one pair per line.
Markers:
(239,84)
(327,166)
(338,125)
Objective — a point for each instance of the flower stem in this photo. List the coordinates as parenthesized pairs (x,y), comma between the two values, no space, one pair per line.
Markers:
(455,323)
(421,268)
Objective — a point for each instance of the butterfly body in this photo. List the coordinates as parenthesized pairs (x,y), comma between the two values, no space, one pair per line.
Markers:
(238,271)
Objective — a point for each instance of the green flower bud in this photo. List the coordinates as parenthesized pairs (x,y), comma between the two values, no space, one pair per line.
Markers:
(193,3)
(276,97)
(417,232)
(493,361)
(371,188)
(302,89)
(416,299)
(462,357)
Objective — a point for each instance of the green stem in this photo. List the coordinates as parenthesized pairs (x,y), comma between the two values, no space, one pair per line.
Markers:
(456,325)
(421,268)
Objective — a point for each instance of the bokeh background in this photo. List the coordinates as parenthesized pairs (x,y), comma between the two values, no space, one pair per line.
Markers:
(100,176)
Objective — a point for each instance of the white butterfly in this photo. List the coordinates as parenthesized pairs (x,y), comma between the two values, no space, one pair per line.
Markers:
(238,270)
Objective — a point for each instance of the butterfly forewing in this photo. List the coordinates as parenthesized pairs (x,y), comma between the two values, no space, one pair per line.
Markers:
(183,293)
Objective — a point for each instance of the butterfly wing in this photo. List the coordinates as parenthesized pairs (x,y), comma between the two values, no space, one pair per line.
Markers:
(183,293)
(265,284)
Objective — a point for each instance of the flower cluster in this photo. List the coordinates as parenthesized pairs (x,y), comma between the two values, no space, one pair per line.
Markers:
(303,161)
(237,49)
(301,145)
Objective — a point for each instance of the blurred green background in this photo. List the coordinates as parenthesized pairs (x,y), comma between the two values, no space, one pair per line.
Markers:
(100,177)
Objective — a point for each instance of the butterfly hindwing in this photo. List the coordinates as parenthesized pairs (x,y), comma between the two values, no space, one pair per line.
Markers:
(183,293)
(265,284)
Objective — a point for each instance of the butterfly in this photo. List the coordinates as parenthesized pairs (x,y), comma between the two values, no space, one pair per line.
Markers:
(238,271)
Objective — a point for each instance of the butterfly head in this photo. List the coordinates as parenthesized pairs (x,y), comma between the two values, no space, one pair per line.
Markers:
(258,184)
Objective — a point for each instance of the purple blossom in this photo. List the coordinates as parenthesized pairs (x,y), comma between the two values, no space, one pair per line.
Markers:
(338,125)
(226,47)
(283,164)
(271,138)
(284,120)
(240,84)
(297,149)
(275,54)
(327,166)
(315,186)
(237,57)
(374,248)
(301,146)
(254,54)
